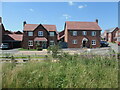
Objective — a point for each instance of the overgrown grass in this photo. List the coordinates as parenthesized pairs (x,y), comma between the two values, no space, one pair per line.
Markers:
(71,71)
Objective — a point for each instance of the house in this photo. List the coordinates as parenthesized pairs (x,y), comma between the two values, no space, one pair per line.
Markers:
(82,34)
(18,32)
(2,30)
(110,34)
(117,36)
(105,35)
(61,36)
(42,34)
(14,40)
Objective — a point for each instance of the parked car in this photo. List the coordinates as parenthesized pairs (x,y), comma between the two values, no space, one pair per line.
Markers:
(4,46)
(104,44)
(119,44)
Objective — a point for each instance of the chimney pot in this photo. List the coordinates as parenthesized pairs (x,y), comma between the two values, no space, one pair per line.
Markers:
(96,20)
(0,19)
(24,23)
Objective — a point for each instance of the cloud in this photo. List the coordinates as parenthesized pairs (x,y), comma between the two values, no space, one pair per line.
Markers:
(31,10)
(66,16)
(70,3)
(82,6)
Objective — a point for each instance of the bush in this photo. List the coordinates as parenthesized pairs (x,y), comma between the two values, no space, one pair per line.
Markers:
(39,47)
(55,50)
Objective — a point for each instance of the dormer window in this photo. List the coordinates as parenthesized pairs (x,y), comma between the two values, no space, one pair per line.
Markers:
(30,33)
(40,33)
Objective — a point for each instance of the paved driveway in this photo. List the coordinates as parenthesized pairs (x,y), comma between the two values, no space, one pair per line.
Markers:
(12,51)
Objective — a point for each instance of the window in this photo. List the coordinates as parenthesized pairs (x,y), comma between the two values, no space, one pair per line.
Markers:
(74,41)
(51,33)
(93,42)
(30,43)
(93,33)
(40,33)
(84,33)
(74,33)
(30,33)
(52,42)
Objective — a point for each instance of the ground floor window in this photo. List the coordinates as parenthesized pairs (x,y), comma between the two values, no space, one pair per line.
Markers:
(74,41)
(30,43)
(52,42)
(93,42)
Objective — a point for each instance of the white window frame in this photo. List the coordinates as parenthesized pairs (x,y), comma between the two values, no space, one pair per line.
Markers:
(30,43)
(52,34)
(94,42)
(30,33)
(74,41)
(84,32)
(93,33)
(40,33)
(52,41)
(74,33)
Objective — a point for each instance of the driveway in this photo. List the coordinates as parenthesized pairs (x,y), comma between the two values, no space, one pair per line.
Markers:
(11,51)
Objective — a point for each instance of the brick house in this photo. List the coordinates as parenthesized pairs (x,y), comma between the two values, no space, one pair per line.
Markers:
(110,34)
(117,36)
(42,34)
(82,34)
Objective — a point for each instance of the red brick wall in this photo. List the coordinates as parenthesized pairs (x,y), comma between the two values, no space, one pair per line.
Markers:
(35,34)
(79,38)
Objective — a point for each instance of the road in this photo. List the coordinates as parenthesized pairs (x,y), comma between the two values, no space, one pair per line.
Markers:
(103,51)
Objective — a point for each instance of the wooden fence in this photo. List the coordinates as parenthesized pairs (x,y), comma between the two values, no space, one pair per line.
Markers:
(24,59)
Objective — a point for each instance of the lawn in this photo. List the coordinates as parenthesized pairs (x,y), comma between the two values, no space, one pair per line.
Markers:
(21,49)
(69,71)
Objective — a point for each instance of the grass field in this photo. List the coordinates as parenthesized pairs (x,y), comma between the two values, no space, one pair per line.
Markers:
(68,71)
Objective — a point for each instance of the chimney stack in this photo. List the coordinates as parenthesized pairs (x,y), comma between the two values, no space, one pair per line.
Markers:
(24,23)
(96,20)
(0,19)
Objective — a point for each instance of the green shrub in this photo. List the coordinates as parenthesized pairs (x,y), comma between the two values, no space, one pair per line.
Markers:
(55,50)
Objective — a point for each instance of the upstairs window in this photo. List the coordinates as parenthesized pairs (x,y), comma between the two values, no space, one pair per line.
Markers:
(84,33)
(30,33)
(93,33)
(74,33)
(51,33)
(40,33)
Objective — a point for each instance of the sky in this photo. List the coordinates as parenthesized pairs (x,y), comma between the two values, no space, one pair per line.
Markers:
(56,13)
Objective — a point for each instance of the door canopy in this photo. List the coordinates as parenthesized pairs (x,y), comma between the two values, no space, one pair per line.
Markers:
(84,39)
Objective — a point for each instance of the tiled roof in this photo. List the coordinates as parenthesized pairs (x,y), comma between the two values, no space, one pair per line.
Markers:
(32,27)
(111,29)
(61,34)
(76,25)
(40,39)
(15,37)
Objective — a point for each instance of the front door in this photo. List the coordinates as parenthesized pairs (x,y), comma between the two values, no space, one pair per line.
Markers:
(44,45)
(84,43)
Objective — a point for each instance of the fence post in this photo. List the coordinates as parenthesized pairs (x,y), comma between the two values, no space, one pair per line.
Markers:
(13,59)
(28,57)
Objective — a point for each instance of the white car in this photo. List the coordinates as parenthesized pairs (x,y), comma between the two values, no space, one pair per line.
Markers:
(4,46)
